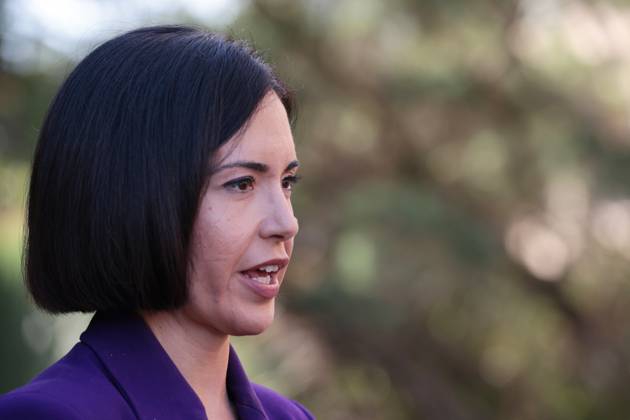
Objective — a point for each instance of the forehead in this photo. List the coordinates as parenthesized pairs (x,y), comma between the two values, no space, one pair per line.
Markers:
(266,136)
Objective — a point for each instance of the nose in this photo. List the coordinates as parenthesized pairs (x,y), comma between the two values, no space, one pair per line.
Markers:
(279,221)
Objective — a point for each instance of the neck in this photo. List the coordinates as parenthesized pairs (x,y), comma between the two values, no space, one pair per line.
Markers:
(200,355)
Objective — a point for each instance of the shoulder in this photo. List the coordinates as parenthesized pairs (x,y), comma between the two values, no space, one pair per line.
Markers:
(75,387)
(24,405)
(280,407)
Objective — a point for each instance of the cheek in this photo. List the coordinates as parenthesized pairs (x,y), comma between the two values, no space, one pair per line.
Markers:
(222,234)
(288,246)
(218,246)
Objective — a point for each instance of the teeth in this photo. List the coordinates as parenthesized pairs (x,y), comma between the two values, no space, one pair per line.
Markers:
(262,280)
(269,268)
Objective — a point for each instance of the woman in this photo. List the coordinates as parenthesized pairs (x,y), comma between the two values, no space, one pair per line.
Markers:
(160,198)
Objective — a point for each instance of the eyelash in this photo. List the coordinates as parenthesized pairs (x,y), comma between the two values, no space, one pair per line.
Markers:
(292,180)
(250,181)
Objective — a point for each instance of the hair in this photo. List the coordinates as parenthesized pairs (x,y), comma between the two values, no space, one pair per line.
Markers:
(122,159)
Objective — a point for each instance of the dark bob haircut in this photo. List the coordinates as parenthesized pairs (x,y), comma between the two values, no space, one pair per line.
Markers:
(122,159)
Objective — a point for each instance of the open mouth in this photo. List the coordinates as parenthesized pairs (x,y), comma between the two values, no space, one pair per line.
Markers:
(264,275)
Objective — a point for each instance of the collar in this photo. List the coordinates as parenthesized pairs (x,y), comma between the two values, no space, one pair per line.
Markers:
(148,379)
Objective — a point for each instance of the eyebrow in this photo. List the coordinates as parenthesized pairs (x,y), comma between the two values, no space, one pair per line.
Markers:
(255,166)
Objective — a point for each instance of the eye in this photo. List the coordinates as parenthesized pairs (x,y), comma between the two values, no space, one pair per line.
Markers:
(288,182)
(240,185)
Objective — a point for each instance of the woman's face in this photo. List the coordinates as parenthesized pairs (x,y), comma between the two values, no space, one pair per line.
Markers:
(243,235)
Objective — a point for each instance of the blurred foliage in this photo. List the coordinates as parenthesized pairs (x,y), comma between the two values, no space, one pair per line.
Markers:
(465,209)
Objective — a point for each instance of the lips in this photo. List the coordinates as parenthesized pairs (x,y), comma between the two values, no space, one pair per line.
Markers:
(262,278)
(280,262)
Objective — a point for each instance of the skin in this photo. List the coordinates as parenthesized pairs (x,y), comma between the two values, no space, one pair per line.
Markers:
(239,224)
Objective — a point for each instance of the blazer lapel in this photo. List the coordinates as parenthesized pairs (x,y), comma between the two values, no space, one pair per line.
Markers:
(148,379)
(140,368)
(241,392)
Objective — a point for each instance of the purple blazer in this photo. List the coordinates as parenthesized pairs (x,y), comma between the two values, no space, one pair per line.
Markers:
(119,370)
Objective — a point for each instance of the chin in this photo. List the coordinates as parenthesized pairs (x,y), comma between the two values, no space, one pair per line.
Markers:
(254,323)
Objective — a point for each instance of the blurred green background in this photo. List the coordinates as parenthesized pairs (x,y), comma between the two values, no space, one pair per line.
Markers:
(465,209)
